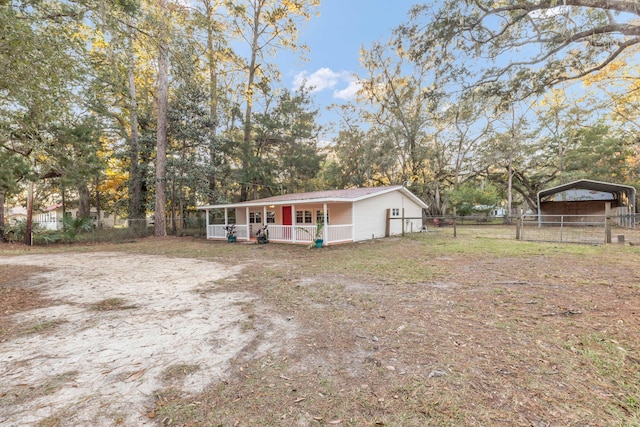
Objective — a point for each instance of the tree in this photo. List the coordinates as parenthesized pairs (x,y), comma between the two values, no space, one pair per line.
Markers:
(160,225)
(14,169)
(601,155)
(265,26)
(515,160)
(212,16)
(72,158)
(287,141)
(529,46)
(402,106)
(353,159)
(189,125)
(474,197)
(38,94)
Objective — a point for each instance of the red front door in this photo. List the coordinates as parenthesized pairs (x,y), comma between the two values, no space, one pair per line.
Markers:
(287,219)
(286,215)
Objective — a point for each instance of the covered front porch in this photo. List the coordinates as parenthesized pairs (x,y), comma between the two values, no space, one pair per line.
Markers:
(285,223)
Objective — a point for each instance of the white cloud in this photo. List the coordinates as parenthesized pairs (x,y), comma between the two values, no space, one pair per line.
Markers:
(349,92)
(326,79)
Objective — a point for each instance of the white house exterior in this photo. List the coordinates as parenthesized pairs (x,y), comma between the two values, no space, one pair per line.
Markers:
(350,215)
(50,218)
(14,214)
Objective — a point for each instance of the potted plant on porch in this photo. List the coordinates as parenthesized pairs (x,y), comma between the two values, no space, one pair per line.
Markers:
(317,235)
(231,233)
(318,241)
(262,235)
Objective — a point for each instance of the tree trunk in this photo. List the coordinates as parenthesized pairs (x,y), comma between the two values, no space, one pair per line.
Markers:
(29,224)
(213,106)
(98,222)
(246,187)
(2,219)
(173,207)
(84,208)
(181,202)
(160,228)
(136,209)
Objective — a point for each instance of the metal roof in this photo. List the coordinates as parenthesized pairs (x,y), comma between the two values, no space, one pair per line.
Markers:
(587,184)
(346,195)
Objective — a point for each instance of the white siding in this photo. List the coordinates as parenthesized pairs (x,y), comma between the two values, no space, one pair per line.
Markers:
(370,216)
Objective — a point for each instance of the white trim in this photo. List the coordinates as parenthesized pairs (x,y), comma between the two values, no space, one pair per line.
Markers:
(293,223)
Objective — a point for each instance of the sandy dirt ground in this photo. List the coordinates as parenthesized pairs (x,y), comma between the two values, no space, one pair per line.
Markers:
(96,366)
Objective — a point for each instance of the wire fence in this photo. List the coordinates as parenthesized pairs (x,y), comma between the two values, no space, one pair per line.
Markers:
(591,229)
(584,229)
(101,231)
(131,229)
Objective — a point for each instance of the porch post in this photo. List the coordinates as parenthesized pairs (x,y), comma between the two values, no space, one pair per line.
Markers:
(206,214)
(353,224)
(264,215)
(248,226)
(325,228)
(226,217)
(293,223)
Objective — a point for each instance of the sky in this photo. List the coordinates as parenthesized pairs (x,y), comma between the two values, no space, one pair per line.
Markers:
(335,39)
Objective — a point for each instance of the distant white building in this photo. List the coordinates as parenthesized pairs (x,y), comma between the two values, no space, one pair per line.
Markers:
(14,214)
(50,218)
(498,212)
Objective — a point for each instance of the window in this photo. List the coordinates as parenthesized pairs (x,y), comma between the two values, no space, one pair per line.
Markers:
(271,217)
(304,217)
(255,217)
(395,212)
(320,216)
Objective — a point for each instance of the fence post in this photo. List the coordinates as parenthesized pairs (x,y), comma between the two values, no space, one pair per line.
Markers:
(455,229)
(607,222)
(387,231)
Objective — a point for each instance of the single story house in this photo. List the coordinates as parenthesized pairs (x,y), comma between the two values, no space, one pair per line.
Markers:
(50,217)
(349,215)
(14,214)
(578,200)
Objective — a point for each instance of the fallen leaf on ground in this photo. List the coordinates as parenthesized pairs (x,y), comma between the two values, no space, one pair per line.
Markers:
(134,376)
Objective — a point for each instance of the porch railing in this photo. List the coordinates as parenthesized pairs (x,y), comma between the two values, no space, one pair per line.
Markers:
(340,233)
(287,233)
(217,231)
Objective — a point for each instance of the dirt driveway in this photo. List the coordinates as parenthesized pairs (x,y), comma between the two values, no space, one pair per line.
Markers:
(117,327)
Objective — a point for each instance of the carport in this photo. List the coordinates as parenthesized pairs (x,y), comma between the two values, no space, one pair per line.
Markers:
(584,198)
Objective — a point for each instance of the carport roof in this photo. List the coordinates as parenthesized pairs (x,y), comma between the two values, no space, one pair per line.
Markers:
(587,184)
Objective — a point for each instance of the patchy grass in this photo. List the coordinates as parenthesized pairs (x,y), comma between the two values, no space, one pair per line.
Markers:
(46,387)
(425,330)
(178,372)
(110,304)
(43,325)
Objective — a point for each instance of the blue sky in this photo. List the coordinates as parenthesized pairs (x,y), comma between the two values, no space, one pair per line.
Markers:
(335,39)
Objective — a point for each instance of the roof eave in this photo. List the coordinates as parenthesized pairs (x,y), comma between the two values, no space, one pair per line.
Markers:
(256,203)
(575,184)
(276,203)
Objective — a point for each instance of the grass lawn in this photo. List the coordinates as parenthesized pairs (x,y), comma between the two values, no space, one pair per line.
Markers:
(420,330)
